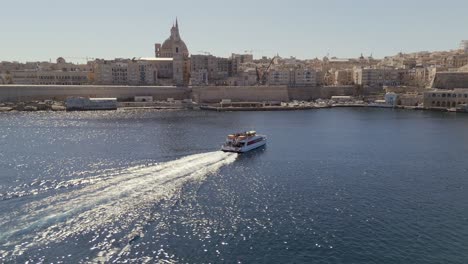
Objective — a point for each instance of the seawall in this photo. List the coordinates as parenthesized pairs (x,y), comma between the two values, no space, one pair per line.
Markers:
(273,93)
(214,94)
(450,80)
(313,93)
(203,94)
(15,93)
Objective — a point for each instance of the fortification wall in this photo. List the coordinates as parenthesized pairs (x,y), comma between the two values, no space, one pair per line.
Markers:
(450,80)
(215,94)
(204,94)
(324,92)
(14,93)
(329,91)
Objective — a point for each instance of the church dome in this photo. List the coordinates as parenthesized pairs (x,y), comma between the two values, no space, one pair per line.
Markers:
(170,43)
(174,44)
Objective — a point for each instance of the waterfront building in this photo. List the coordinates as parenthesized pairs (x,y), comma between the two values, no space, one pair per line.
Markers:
(143,71)
(303,78)
(299,77)
(24,77)
(410,99)
(89,104)
(279,77)
(237,60)
(445,98)
(343,77)
(216,68)
(47,73)
(391,99)
(378,77)
(63,78)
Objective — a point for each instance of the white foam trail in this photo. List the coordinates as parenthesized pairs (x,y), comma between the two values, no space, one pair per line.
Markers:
(103,175)
(122,197)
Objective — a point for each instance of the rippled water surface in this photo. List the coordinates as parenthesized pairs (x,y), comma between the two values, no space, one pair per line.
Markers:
(332,186)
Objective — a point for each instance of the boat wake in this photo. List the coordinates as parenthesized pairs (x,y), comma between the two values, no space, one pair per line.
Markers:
(122,202)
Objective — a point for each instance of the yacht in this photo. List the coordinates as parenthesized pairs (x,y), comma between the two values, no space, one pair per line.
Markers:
(243,142)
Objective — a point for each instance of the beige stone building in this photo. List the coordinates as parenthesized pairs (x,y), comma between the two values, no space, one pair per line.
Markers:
(303,77)
(217,69)
(238,60)
(410,99)
(299,77)
(378,77)
(457,61)
(199,77)
(280,77)
(248,77)
(174,47)
(445,98)
(47,73)
(344,77)
(143,71)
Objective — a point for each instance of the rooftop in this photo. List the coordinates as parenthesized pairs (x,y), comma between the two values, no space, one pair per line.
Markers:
(155,59)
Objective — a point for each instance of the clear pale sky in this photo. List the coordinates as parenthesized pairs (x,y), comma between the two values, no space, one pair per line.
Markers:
(42,30)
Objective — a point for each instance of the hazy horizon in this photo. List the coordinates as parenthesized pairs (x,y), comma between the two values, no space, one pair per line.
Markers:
(34,31)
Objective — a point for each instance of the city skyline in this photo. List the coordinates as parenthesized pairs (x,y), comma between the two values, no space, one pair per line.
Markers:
(265,28)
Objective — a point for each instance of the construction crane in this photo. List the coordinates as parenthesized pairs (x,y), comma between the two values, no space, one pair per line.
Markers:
(262,75)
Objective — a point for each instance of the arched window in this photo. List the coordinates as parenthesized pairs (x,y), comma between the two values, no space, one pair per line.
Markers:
(177,50)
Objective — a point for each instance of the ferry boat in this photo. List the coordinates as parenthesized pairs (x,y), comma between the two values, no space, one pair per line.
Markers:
(243,142)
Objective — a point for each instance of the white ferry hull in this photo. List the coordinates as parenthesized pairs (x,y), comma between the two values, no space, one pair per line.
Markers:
(244,149)
(246,145)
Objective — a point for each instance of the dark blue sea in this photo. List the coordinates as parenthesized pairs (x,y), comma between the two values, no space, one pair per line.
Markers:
(331,186)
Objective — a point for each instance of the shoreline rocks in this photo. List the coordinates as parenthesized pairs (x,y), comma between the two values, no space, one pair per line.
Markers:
(5,109)
(33,106)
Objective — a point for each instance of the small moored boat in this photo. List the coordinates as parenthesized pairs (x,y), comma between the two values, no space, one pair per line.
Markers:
(243,142)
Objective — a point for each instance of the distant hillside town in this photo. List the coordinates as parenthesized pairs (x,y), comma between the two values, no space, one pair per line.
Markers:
(173,65)
(425,79)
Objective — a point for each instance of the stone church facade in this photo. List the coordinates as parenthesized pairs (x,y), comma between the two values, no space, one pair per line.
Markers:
(174,47)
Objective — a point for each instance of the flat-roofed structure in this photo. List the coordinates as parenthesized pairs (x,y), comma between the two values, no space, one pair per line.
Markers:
(445,98)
